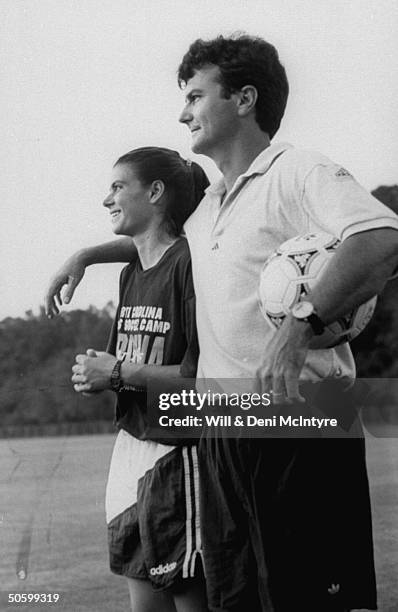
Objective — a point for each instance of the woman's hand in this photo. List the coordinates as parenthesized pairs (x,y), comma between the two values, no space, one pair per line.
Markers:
(92,372)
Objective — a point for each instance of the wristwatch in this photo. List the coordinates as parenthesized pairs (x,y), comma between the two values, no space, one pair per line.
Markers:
(305,311)
(116,379)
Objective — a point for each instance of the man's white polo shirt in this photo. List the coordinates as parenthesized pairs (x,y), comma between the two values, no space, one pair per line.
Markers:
(285,192)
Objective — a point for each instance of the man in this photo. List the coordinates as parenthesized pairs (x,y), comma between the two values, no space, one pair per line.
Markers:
(286,522)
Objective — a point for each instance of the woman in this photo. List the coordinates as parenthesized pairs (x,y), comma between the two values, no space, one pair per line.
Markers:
(152,498)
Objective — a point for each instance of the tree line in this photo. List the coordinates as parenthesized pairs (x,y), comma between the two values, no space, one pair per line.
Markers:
(36,357)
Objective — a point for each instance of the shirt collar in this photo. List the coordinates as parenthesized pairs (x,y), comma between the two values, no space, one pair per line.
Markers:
(266,158)
(259,165)
(218,187)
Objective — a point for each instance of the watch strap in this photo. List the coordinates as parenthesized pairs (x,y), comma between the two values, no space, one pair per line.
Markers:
(318,326)
(116,379)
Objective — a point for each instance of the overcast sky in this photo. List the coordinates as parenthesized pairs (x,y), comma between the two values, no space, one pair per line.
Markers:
(84,81)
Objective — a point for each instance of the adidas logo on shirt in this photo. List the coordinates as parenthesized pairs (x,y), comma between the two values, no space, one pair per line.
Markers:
(342,173)
(163,569)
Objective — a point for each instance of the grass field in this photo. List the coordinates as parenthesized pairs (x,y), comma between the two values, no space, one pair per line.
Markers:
(53,536)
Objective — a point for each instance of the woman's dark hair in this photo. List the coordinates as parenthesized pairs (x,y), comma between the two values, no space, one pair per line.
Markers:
(243,60)
(185,181)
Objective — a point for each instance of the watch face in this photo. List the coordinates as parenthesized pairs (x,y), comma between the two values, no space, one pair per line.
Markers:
(302,310)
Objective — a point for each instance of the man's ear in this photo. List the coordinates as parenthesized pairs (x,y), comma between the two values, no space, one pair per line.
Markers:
(247,98)
(156,191)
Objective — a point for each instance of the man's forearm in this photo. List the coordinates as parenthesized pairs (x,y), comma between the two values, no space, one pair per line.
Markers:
(359,270)
(68,277)
(121,250)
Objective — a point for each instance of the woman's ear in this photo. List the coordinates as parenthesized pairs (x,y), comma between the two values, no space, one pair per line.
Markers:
(156,191)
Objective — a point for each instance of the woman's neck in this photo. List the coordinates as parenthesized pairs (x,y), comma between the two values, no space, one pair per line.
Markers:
(152,245)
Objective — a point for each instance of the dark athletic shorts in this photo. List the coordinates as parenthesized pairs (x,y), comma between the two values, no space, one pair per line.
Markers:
(152,507)
(286,524)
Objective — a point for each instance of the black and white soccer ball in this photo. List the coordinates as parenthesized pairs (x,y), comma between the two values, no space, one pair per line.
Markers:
(292,272)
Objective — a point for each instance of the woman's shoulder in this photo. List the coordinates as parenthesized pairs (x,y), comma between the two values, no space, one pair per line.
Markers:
(182,248)
(127,272)
(178,255)
(182,263)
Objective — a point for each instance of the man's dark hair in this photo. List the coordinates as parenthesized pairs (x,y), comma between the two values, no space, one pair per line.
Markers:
(243,60)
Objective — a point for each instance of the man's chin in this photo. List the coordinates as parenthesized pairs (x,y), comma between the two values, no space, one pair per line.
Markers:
(195,148)
(198,147)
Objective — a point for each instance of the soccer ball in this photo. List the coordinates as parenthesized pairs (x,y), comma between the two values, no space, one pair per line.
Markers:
(292,272)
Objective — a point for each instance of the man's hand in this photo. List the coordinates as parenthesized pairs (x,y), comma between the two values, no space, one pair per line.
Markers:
(284,361)
(70,274)
(92,372)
